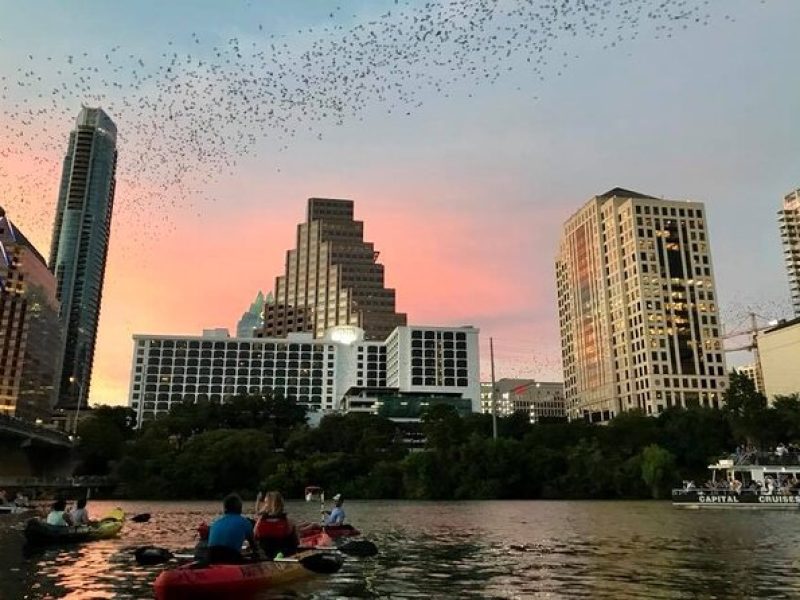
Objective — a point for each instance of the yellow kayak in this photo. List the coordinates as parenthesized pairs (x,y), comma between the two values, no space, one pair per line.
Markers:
(37,532)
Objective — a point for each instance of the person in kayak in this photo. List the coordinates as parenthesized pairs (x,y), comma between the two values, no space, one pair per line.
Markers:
(201,547)
(336,516)
(80,516)
(274,532)
(58,516)
(229,532)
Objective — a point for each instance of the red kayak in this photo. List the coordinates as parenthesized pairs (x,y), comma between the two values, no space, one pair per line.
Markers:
(313,535)
(239,581)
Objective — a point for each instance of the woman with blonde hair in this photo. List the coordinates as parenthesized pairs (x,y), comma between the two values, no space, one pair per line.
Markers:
(274,532)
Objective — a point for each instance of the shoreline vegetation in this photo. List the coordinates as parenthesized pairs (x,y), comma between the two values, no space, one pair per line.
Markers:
(204,451)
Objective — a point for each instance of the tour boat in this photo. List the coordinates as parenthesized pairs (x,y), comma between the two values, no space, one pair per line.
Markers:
(749,481)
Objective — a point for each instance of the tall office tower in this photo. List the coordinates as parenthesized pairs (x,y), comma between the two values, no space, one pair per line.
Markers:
(29,327)
(332,277)
(789,219)
(80,245)
(638,307)
(254,317)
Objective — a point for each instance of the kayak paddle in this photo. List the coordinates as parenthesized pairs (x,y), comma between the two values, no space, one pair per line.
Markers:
(359,548)
(317,562)
(362,548)
(142,518)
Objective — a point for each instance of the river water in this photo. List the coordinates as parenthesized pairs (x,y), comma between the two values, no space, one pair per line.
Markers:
(462,550)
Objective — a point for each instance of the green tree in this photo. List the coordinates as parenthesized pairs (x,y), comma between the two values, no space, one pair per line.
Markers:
(746,409)
(658,470)
(101,438)
(216,462)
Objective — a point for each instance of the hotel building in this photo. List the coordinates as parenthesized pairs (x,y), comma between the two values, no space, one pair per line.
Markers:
(789,219)
(332,278)
(30,332)
(637,307)
(319,373)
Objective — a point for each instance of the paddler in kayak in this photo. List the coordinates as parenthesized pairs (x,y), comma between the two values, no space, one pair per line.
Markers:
(336,516)
(58,515)
(79,515)
(229,532)
(274,532)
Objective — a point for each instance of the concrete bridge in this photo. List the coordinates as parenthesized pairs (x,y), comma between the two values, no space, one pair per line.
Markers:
(30,451)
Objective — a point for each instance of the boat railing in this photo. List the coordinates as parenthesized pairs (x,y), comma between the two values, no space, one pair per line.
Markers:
(768,459)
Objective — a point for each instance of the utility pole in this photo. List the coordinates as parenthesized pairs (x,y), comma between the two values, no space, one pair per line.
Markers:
(494,391)
(756,356)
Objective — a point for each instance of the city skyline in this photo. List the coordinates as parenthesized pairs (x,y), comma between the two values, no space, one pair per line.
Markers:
(493,176)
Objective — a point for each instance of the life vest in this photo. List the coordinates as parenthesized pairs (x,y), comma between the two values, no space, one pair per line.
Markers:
(273,527)
(275,534)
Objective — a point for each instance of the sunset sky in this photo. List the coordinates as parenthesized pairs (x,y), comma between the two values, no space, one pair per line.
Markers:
(463,197)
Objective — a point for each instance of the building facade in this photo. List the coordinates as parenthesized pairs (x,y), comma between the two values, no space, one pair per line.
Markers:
(789,220)
(538,399)
(30,334)
(253,319)
(779,355)
(316,372)
(332,278)
(80,246)
(637,307)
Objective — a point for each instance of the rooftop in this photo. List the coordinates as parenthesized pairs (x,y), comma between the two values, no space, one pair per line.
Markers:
(623,193)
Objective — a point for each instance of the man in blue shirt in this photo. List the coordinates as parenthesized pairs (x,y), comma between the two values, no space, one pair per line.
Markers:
(229,532)
(336,516)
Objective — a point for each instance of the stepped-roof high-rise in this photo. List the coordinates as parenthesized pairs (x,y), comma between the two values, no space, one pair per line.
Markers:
(332,277)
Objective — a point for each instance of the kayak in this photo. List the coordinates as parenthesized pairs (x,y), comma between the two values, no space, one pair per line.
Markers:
(308,530)
(194,581)
(39,533)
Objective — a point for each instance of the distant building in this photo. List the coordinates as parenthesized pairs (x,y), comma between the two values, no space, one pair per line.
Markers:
(280,320)
(753,373)
(30,333)
(637,307)
(502,386)
(538,399)
(402,407)
(332,278)
(789,219)
(80,246)
(253,318)
(318,373)
(779,353)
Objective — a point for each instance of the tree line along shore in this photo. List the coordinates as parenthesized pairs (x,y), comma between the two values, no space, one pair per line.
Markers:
(204,451)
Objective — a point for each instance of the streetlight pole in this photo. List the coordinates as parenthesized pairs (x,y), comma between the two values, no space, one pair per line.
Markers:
(73,379)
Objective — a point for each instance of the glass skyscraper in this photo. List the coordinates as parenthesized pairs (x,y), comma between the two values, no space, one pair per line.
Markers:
(80,245)
(29,327)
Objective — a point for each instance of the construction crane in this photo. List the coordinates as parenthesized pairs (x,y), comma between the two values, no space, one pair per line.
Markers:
(752,345)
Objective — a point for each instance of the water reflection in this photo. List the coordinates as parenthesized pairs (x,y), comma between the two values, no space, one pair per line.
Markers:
(464,550)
